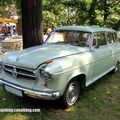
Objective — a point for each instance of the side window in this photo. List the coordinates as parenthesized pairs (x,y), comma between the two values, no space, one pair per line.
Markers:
(116,40)
(101,39)
(110,38)
(95,40)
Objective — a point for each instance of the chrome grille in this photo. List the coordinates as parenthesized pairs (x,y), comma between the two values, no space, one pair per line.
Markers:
(20,72)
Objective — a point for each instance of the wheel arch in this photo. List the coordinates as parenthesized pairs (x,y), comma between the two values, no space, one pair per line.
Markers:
(81,78)
(81,81)
(118,60)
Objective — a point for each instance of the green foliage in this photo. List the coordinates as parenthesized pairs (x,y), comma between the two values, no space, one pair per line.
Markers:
(5,8)
(54,16)
(104,13)
(18,5)
(6,2)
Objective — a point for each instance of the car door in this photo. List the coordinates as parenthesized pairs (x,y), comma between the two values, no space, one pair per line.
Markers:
(114,46)
(101,55)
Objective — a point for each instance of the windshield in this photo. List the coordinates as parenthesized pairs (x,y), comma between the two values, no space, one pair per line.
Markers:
(69,37)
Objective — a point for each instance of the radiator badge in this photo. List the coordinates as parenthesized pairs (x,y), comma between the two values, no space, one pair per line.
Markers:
(14,72)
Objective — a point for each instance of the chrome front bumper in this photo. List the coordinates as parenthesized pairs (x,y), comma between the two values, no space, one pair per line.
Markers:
(52,95)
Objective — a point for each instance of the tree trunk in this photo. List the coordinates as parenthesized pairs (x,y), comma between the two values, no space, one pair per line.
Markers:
(91,13)
(31,22)
(106,10)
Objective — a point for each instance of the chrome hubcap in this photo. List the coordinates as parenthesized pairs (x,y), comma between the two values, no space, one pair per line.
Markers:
(72,93)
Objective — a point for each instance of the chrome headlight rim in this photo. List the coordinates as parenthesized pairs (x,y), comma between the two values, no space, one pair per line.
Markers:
(45,74)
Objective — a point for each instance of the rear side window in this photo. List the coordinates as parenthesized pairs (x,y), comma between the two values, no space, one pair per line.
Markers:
(100,39)
(110,38)
(116,40)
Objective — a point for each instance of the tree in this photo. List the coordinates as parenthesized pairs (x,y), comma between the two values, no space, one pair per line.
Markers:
(52,13)
(92,15)
(105,13)
(7,8)
(31,22)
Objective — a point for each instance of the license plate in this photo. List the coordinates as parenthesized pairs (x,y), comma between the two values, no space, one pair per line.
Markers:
(13,90)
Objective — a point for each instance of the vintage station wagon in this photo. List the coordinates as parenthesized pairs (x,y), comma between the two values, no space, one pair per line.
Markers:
(71,58)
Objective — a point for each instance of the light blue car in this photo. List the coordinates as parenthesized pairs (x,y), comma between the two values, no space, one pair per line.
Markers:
(71,58)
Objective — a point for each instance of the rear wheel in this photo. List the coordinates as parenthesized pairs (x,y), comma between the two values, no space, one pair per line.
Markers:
(117,68)
(71,93)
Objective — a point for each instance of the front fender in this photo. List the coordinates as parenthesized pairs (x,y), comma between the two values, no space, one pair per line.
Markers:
(63,71)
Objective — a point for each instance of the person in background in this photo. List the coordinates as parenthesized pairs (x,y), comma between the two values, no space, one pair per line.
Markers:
(1,34)
(9,30)
(0,29)
(14,30)
(45,35)
(49,30)
(5,30)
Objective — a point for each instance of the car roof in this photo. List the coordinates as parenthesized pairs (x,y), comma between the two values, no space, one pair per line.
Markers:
(85,29)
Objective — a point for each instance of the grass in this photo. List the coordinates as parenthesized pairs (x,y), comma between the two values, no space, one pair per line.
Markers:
(100,101)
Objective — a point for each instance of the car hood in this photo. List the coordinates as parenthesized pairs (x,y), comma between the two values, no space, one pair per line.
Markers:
(34,56)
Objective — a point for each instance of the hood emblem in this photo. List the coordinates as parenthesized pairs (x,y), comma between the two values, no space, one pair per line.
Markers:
(14,72)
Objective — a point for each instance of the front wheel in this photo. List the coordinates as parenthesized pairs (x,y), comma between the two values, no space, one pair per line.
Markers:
(71,93)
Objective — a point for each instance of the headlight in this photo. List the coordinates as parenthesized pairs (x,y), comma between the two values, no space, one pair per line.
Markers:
(45,74)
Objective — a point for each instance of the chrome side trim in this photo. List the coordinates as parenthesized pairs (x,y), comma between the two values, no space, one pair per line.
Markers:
(50,95)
